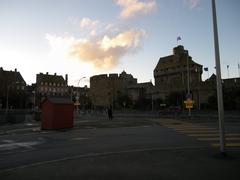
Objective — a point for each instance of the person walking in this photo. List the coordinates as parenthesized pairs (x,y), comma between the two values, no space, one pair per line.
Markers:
(110,116)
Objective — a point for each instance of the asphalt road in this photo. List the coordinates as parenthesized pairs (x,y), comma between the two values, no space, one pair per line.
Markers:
(160,149)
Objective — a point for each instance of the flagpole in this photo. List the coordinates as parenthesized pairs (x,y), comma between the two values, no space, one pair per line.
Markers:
(238,69)
(219,81)
(228,70)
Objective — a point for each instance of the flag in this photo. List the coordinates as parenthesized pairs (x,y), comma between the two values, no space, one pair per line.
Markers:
(206,69)
(179,38)
(227,66)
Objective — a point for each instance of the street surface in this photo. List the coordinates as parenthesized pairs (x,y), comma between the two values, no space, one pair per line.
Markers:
(143,148)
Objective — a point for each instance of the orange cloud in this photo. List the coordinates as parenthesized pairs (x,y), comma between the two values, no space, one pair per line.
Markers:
(131,8)
(103,52)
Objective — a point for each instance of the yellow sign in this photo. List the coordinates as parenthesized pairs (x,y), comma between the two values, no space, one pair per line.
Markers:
(77,103)
(189,103)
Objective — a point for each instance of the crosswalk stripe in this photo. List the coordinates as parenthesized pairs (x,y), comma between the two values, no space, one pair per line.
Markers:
(200,131)
(227,144)
(201,135)
(195,128)
(216,139)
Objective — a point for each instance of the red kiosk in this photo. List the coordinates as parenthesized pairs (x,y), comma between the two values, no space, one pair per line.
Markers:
(57,113)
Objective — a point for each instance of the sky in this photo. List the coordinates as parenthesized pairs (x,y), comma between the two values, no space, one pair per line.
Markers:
(85,38)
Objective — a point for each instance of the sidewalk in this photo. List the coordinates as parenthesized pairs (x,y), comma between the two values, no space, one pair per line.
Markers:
(35,126)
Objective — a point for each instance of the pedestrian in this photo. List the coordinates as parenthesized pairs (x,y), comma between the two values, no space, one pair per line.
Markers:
(110,116)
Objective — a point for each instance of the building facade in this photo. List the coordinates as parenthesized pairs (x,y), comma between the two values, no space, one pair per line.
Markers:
(105,90)
(12,89)
(172,74)
(48,85)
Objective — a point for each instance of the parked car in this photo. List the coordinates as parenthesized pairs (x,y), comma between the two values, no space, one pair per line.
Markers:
(171,110)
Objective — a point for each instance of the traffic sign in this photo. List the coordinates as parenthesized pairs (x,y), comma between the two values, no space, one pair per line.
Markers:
(189,103)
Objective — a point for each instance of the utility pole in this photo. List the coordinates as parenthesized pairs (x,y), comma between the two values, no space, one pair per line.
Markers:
(219,81)
(188,85)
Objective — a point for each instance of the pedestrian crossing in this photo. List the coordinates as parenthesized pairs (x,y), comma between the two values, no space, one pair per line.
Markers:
(202,133)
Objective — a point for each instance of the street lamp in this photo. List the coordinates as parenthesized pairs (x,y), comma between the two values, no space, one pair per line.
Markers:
(188,85)
(34,99)
(81,79)
(219,82)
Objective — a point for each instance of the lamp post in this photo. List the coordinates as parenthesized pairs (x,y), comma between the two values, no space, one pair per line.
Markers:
(81,79)
(219,81)
(78,95)
(188,85)
(34,99)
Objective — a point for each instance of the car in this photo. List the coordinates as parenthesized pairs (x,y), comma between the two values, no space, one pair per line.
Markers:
(170,110)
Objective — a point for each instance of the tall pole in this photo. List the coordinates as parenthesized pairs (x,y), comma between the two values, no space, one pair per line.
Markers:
(219,82)
(228,70)
(188,85)
(238,69)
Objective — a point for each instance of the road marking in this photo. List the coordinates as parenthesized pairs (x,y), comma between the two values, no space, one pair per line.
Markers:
(200,135)
(203,133)
(200,131)
(216,139)
(16,145)
(195,128)
(79,138)
(90,155)
(227,144)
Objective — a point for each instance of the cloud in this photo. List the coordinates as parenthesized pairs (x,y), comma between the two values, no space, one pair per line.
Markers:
(87,22)
(131,8)
(192,3)
(102,51)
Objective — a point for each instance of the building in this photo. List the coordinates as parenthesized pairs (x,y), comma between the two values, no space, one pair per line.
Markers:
(12,89)
(106,90)
(140,90)
(80,96)
(171,83)
(48,85)
(172,72)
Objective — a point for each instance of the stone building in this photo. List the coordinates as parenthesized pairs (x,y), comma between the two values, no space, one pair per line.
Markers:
(172,72)
(12,89)
(171,78)
(106,89)
(140,90)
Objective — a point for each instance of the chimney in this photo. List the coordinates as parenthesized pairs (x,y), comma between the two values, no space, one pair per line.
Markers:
(66,79)
(15,69)
(47,73)
(55,74)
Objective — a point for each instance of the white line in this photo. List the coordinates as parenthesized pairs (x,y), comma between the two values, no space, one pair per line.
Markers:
(79,138)
(103,154)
